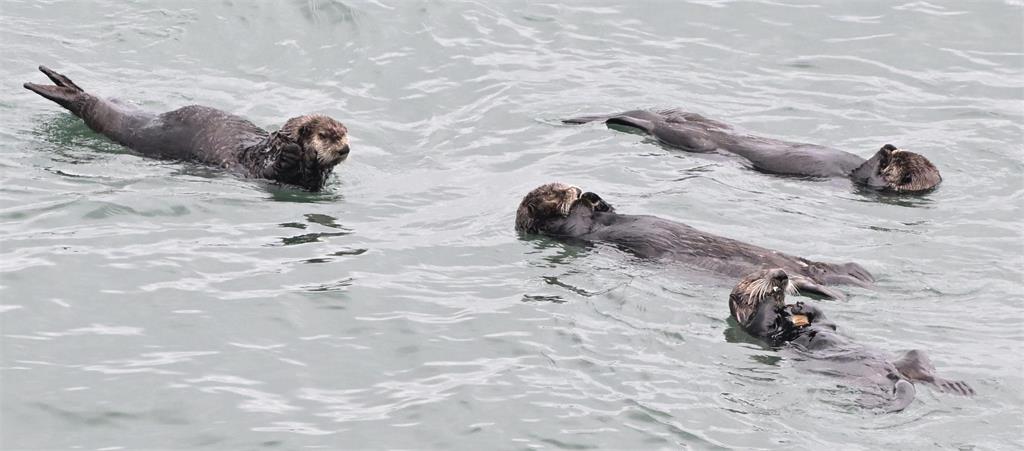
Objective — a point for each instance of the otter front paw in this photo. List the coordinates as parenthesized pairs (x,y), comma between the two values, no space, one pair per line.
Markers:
(596,202)
(288,164)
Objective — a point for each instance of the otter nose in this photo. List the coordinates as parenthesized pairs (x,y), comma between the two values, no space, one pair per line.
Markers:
(343,151)
(777,274)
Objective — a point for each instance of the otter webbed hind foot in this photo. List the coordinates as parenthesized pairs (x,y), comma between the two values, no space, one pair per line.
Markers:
(915,365)
(643,120)
(584,119)
(64,92)
(632,122)
(59,79)
(841,274)
(805,286)
(619,120)
(682,131)
(857,272)
(903,394)
(950,386)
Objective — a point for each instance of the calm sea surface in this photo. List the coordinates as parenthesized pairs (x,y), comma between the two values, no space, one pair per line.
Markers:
(154,304)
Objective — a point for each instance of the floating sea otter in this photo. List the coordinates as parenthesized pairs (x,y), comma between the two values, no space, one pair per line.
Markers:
(565,211)
(302,153)
(758,304)
(890,169)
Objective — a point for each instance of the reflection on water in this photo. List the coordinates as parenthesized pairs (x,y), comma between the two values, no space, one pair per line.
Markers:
(310,237)
(285,193)
(543,298)
(399,309)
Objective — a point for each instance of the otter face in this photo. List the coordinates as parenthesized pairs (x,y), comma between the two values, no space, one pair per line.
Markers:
(323,138)
(899,171)
(767,285)
(545,203)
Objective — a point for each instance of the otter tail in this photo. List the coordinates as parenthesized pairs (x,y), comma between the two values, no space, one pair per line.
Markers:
(64,91)
(904,395)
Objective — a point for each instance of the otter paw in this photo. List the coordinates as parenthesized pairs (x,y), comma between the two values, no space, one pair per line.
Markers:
(596,202)
(288,163)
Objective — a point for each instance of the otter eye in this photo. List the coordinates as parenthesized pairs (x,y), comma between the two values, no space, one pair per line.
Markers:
(906,180)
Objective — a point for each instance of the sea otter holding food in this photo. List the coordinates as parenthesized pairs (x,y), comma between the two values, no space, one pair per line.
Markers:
(758,304)
(303,152)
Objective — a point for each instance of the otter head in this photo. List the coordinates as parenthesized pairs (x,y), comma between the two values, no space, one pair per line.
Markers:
(893,169)
(321,137)
(551,203)
(765,286)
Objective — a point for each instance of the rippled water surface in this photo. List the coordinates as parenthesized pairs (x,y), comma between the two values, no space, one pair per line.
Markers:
(155,304)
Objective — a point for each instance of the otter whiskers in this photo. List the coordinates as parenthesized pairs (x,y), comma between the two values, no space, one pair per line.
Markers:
(762,288)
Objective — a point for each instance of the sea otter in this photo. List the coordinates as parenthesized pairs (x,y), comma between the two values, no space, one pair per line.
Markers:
(302,153)
(890,169)
(758,304)
(566,212)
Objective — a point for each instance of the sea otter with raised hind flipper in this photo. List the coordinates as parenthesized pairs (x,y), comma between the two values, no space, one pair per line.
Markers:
(303,152)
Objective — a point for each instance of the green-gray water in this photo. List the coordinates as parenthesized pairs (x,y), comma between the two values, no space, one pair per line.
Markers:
(154,304)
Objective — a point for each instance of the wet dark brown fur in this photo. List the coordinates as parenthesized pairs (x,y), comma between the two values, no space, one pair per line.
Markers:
(303,152)
(890,169)
(758,304)
(565,211)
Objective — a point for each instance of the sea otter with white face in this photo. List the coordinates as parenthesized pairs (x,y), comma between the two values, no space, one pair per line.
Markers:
(890,169)
(564,211)
(303,152)
(758,304)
